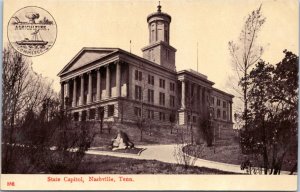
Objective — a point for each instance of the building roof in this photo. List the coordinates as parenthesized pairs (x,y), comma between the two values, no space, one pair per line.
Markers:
(196,75)
(222,92)
(158,13)
(88,55)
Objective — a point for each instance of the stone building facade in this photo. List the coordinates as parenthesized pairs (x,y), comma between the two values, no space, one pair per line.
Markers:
(121,85)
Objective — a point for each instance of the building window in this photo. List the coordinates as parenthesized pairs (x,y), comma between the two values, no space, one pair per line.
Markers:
(224,114)
(150,96)
(138,92)
(151,79)
(218,113)
(172,101)
(110,111)
(162,83)
(213,113)
(92,114)
(198,94)
(100,112)
(150,114)
(194,119)
(76,116)
(138,75)
(224,104)
(212,100)
(161,98)
(152,34)
(166,35)
(172,86)
(162,116)
(137,111)
(218,102)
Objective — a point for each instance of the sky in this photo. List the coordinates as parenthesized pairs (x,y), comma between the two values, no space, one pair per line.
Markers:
(210,23)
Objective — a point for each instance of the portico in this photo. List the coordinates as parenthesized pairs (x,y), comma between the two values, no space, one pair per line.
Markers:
(87,93)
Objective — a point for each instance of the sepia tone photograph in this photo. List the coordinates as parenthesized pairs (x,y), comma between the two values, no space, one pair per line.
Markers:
(111,94)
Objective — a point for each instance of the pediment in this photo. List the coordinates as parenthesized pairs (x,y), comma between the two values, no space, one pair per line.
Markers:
(86,56)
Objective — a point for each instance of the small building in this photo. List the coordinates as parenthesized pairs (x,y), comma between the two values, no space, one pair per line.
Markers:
(120,85)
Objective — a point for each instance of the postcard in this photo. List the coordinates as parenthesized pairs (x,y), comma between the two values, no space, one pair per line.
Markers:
(150,95)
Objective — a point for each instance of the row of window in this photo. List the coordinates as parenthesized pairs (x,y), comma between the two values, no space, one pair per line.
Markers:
(219,114)
(218,102)
(162,83)
(139,96)
(150,114)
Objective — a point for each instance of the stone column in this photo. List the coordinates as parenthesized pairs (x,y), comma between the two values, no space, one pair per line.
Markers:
(80,116)
(74,92)
(68,89)
(183,94)
(196,97)
(199,101)
(90,94)
(107,81)
(67,101)
(98,94)
(128,80)
(118,79)
(62,90)
(230,109)
(81,90)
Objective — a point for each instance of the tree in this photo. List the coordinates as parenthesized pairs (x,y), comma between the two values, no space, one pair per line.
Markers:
(101,117)
(172,120)
(23,93)
(273,115)
(140,90)
(190,109)
(206,128)
(33,123)
(245,53)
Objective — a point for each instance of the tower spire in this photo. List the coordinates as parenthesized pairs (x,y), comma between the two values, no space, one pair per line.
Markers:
(159,7)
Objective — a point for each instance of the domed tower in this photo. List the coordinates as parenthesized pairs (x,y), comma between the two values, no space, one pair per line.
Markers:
(159,50)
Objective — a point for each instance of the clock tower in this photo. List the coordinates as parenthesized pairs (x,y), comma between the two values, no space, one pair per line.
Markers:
(159,50)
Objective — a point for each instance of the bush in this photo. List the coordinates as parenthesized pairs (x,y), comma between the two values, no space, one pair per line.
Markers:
(54,146)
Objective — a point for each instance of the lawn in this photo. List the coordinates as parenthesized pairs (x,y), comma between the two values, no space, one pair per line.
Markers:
(226,154)
(100,164)
(232,154)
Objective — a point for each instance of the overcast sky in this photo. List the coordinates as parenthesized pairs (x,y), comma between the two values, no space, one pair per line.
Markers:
(211,23)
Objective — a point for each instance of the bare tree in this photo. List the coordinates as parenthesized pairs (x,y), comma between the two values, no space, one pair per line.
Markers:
(33,123)
(24,94)
(140,90)
(186,154)
(172,120)
(245,53)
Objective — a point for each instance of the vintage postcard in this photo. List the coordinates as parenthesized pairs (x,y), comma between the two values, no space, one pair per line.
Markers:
(150,95)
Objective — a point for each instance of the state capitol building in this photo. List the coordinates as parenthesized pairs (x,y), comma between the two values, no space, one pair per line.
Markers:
(123,85)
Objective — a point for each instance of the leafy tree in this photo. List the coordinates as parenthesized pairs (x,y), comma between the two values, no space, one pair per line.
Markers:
(273,115)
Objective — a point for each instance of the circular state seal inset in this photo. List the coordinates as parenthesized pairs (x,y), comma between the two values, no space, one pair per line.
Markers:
(32,31)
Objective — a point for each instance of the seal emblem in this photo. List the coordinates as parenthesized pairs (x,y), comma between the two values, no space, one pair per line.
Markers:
(32,31)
